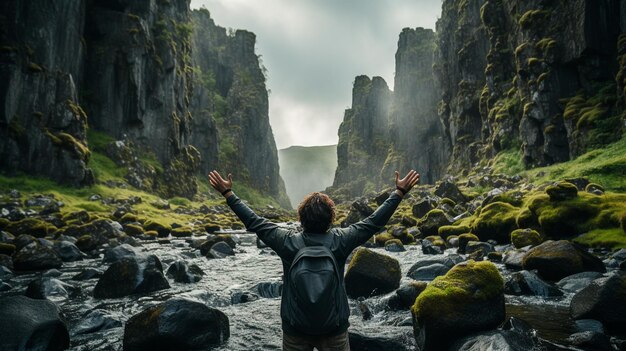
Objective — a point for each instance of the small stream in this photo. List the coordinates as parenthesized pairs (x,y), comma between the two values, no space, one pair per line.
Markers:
(256,325)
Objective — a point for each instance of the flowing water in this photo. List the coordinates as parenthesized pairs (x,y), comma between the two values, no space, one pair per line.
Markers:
(256,325)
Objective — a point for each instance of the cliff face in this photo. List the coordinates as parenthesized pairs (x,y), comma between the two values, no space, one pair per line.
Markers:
(540,78)
(177,87)
(363,136)
(42,126)
(385,131)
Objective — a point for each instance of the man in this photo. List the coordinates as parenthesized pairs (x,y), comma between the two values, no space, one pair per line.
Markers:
(326,325)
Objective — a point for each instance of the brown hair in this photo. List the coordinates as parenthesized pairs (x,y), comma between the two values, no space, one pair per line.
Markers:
(316,212)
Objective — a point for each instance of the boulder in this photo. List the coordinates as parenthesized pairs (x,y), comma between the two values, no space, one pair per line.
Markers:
(468,299)
(67,251)
(448,189)
(525,237)
(88,273)
(117,253)
(177,324)
(36,256)
(429,273)
(131,275)
(96,320)
(591,340)
(30,324)
(406,294)
(496,221)
(394,245)
(429,225)
(220,250)
(448,260)
(6,261)
(207,244)
(464,239)
(604,299)
(562,191)
(370,273)
(576,282)
(182,272)
(555,260)
(512,259)
(269,289)
(421,208)
(428,248)
(51,289)
(478,249)
(528,283)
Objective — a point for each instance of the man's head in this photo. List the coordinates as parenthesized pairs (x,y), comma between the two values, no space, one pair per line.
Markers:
(316,213)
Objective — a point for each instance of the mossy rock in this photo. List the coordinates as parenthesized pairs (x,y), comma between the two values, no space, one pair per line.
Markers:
(524,237)
(181,232)
(448,230)
(464,239)
(446,201)
(128,217)
(151,233)
(496,221)
(7,249)
(152,225)
(205,247)
(433,238)
(566,218)
(527,219)
(562,191)
(133,229)
(396,232)
(394,245)
(382,238)
(370,273)
(31,226)
(434,219)
(78,217)
(612,238)
(4,223)
(593,187)
(555,260)
(452,240)
(468,299)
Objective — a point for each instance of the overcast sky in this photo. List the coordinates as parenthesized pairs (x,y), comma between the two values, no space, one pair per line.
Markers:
(313,49)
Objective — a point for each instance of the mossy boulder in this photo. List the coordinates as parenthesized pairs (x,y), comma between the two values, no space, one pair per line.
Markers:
(434,219)
(405,296)
(162,229)
(36,256)
(133,229)
(448,230)
(31,226)
(566,218)
(562,191)
(7,249)
(594,188)
(177,324)
(394,245)
(396,232)
(604,300)
(181,232)
(128,218)
(468,299)
(78,217)
(555,260)
(496,221)
(524,237)
(370,273)
(464,239)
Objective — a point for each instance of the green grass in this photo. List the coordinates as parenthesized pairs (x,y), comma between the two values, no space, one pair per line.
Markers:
(614,238)
(606,166)
(508,162)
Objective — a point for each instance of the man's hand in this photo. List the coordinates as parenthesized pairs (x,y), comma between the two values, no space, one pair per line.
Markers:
(220,184)
(405,184)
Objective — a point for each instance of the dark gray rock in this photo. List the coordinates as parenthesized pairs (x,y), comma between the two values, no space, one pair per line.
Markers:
(88,273)
(513,259)
(67,251)
(476,250)
(371,273)
(406,294)
(448,260)
(578,281)
(394,246)
(182,272)
(269,289)
(94,321)
(117,253)
(362,342)
(555,260)
(590,340)
(501,340)
(36,256)
(51,289)
(220,250)
(30,324)
(429,249)
(528,283)
(421,208)
(176,324)
(450,190)
(429,273)
(604,300)
(131,275)
(243,297)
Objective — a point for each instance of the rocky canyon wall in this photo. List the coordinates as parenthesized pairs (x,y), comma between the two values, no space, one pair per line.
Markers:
(166,80)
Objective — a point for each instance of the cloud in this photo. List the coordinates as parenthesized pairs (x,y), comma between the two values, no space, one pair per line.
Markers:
(313,49)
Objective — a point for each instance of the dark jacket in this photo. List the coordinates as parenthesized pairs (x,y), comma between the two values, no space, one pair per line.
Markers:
(344,240)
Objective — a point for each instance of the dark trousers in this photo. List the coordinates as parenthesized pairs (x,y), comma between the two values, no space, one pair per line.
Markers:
(321,343)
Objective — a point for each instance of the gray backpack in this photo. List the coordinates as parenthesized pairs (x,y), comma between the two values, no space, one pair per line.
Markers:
(316,303)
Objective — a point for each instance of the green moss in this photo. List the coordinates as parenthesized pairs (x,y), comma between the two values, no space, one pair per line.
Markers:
(562,191)
(128,217)
(496,221)
(545,44)
(471,281)
(508,161)
(181,232)
(593,186)
(448,230)
(35,68)
(98,141)
(179,201)
(614,238)
(533,61)
(31,226)
(133,229)
(524,237)
(533,18)
(161,228)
